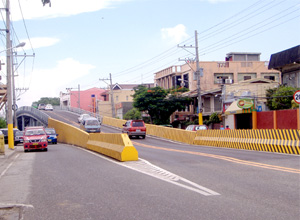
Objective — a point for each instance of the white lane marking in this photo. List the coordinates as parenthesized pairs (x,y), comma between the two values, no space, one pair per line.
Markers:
(145,167)
(4,171)
(8,205)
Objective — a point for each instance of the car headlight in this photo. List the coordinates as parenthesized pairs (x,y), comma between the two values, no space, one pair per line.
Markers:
(44,139)
(26,141)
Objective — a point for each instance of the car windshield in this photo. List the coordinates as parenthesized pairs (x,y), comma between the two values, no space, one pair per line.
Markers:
(35,132)
(92,122)
(19,133)
(137,124)
(50,131)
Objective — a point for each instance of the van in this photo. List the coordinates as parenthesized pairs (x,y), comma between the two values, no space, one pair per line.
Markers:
(41,106)
(91,125)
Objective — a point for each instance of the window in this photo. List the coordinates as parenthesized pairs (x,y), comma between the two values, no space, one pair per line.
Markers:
(247,77)
(270,77)
(220,78)
(117,98)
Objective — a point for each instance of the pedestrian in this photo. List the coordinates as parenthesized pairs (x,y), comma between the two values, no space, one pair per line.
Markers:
(221,128)
(227,127)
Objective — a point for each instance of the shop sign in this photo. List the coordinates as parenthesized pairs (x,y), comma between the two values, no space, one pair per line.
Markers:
(245,103)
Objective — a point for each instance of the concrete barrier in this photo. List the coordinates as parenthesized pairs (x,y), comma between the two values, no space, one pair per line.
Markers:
(272,140)
(2,147)
(117,146)
(69,134)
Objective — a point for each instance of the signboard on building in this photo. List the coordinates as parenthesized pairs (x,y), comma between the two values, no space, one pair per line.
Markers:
(245,103)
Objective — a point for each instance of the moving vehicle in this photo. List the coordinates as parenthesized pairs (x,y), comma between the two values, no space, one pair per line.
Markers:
(51,135)
(41,106)
(82,117)
(49,107)
(18,136)
(196,127)
(35,138)
(91,125)
(135,128)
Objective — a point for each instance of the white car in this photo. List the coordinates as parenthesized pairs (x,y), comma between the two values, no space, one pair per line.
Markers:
(49,107)
(82,117)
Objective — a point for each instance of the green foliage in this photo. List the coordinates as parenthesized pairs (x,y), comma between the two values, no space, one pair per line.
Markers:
(2,123)
(214,118)
(133,113)
(280,98)
(46,100)
(158,103)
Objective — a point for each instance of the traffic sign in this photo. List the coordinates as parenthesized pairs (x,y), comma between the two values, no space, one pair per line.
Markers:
(297,96)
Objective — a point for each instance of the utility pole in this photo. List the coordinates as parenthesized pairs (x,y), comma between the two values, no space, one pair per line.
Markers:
(198,73)
(111,94)
(10,132)
(198,82)
(78,98)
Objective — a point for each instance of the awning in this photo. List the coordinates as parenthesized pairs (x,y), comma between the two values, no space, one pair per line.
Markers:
(233,109)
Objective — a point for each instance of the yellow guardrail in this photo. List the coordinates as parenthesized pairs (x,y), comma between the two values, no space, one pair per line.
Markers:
(117,146)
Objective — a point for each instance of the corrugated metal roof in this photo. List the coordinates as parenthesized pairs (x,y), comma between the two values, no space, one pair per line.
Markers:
(286,57)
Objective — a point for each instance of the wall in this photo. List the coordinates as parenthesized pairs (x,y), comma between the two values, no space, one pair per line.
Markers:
(286,119)
(280,119)
(265,120)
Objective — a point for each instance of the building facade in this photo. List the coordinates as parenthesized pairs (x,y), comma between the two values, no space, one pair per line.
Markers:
(82,99)
(214,77)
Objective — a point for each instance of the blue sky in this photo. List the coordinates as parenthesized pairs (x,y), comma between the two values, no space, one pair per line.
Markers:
(79,42)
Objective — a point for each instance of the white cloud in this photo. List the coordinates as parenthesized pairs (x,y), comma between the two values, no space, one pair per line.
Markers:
(49,82)
(176,34)
(39,42)
(34,9)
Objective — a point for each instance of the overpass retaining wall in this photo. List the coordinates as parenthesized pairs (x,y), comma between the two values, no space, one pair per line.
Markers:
(117,146)
(271,140)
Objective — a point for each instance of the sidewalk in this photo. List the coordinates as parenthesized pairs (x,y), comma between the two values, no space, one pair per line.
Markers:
(8,153)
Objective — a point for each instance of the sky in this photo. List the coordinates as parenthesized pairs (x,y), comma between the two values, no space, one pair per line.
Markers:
(79,43)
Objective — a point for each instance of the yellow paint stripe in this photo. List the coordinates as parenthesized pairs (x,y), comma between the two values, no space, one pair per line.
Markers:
(230,159)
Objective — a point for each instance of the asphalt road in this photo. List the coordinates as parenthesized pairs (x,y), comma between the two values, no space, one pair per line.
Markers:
(170,181)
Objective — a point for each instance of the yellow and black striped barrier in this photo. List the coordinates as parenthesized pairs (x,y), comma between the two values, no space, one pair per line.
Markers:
(272,140)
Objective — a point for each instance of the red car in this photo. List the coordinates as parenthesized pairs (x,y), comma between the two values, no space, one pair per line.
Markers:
(135,128)
(35,138)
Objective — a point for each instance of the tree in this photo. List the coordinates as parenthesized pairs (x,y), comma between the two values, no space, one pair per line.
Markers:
(46,100)
(280,98)
(2,123)
(158,103)
(133,113)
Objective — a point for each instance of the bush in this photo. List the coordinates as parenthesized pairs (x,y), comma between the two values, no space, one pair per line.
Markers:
(2,123)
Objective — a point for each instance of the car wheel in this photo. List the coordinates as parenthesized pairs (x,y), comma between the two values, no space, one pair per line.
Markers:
(46,149)
(143,136)
(25,151)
